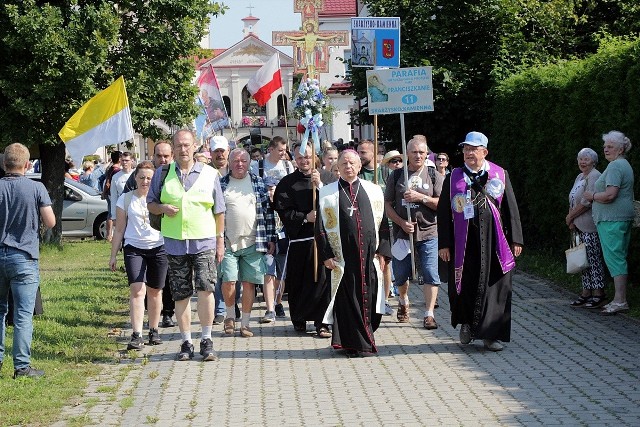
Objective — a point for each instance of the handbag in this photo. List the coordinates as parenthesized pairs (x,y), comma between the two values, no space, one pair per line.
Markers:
(576,255)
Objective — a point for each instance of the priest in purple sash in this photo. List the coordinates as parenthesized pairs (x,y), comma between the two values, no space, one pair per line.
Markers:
(479,235)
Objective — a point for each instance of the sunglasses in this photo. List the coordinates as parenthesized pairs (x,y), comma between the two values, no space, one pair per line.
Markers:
(395,161)
(441,159)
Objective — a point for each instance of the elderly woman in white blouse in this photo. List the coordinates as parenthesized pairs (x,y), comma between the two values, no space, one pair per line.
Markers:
(580,220)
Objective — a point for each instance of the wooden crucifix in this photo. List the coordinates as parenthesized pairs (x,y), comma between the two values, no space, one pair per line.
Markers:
(310,46)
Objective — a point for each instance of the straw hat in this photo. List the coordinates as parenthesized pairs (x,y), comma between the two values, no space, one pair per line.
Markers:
(391,155)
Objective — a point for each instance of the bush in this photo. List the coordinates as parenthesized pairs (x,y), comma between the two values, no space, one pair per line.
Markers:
(542,117)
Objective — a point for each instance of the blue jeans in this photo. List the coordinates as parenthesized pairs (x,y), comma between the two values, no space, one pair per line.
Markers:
(427,260)
(19,273)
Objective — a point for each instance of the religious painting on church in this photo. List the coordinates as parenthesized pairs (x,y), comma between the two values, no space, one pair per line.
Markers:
(252,113)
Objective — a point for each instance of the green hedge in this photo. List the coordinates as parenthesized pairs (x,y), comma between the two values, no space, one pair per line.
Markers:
(542,117)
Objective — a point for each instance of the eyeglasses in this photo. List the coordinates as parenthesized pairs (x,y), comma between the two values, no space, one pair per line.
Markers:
(395,161)
(441,159)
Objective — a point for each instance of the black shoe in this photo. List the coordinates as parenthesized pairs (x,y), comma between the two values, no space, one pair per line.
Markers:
(154,337)
(219,319)
(28,372)
(186,351)
(206,350)
(167,321)
(136,342)
(280,311)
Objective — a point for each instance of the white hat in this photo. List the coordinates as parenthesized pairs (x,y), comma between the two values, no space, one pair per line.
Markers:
(391,155)
(219,142)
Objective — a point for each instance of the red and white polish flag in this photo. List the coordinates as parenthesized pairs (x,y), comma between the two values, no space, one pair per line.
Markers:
(266,81)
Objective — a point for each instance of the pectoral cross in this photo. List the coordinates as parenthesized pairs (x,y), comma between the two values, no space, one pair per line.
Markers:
(351,210)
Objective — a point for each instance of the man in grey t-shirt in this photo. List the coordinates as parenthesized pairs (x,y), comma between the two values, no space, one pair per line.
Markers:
(23,203)
(421,195)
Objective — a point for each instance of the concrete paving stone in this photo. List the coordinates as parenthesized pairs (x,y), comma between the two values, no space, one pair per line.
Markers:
(546,375)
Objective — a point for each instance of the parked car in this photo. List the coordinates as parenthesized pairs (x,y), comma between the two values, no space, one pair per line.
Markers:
(84,213)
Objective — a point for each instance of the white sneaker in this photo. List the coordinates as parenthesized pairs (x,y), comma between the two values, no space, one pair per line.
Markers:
(492,345)
(388,311)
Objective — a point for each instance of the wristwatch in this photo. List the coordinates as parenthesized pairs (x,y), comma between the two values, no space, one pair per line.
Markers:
(424,200)
(304,221)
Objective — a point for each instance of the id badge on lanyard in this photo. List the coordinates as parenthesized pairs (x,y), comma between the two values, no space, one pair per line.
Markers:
(469,212)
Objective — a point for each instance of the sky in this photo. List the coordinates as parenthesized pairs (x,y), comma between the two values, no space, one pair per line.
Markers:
(275,15)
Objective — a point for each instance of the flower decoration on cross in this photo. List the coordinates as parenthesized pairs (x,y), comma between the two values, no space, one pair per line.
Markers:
(312,107)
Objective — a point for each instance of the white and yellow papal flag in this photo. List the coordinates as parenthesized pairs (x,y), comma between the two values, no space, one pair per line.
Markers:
(104,120)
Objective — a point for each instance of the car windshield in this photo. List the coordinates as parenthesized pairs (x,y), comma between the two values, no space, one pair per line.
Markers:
(89,190)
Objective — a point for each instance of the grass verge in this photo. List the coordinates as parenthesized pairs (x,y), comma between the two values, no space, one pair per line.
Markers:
(84,304)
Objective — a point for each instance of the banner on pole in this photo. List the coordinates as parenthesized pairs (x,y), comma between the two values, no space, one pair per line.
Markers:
(375,42)
(400,90)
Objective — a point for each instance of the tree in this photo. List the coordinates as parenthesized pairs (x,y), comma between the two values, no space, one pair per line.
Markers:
(474,45)
(57,54)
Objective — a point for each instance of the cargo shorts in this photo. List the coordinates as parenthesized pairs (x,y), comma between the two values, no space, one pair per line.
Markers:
(190,271)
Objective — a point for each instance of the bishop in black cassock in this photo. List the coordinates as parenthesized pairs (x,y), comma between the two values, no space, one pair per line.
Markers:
(353,238)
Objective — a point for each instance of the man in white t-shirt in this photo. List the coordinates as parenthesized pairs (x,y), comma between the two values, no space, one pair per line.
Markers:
(249,235)
(119,180)
(275,164)
(272,169)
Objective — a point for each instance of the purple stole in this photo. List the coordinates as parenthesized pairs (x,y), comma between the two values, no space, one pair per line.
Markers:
(461,226)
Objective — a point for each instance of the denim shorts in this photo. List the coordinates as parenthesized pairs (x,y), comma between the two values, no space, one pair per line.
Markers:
(274,268)
(426,264)
(245,265)
(189,271)
(146,265)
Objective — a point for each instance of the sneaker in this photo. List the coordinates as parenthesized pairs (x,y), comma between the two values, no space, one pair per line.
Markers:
(206,350)
(268,317)
(465,334)
(136,342)
(492,345)
(154,337)
(245,332)
(218,319)
(167,321)
(28,372)
(229,326)
(388,311)
(403,313)
(280,311)
(186,351)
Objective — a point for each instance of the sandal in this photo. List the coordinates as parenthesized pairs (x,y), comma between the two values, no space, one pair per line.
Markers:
(597,301)
(614,308)
(582,300)
(323,332)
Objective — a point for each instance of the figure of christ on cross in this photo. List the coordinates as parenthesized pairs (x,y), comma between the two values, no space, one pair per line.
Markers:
(310,45)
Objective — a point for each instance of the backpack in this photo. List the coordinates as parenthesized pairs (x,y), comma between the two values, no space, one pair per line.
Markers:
(155,221)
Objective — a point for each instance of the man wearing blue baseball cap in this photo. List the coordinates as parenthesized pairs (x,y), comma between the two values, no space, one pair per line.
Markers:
(479,235)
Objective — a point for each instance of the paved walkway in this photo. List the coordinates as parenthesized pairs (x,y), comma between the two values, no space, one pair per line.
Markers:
(563,367)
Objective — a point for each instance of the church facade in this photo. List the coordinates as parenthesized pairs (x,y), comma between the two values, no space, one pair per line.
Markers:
(235,66)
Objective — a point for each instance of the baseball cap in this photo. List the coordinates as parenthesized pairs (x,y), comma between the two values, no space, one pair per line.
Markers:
(476,139)
(219,142)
